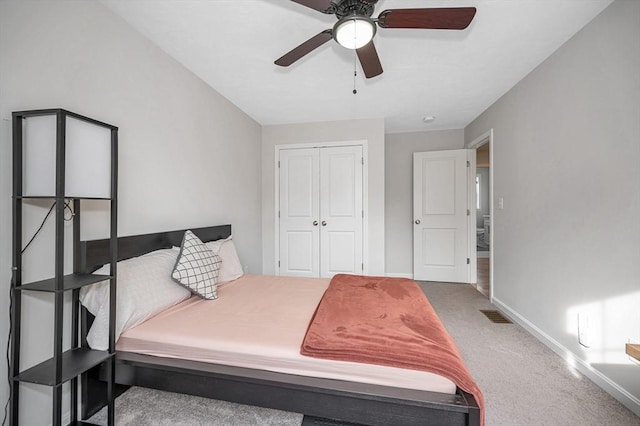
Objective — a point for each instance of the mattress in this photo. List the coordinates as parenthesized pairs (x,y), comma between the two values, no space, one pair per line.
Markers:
(260,322)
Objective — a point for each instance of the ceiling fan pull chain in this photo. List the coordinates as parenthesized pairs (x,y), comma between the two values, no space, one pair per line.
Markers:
(355,72)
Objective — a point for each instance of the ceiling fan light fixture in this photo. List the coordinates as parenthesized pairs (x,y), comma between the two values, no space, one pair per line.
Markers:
(354,32)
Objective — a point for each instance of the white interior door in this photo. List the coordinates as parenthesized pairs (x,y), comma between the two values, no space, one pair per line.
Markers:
(299,210)
(341,210)
(440,208)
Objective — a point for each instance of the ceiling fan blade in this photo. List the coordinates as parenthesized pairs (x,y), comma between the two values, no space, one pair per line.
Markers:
(369,60)
(324,6)
(305,48)
(447,18)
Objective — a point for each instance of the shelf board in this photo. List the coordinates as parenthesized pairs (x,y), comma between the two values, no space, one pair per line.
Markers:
(633,350)
(71,282)
(53,197)
(74,362)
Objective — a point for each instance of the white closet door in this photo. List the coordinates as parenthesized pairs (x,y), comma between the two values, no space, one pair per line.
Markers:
(299,212)
(341,210)
(440,250)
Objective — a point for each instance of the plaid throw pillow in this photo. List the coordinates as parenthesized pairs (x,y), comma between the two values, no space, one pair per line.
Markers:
(197,267)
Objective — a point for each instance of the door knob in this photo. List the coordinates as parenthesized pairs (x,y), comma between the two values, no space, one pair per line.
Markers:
(324,223)
(417,221)
(315,223)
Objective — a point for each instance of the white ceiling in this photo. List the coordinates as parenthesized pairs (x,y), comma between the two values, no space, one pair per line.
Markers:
(452,75)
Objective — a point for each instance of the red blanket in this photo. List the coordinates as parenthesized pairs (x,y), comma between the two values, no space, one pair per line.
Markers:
(385,321)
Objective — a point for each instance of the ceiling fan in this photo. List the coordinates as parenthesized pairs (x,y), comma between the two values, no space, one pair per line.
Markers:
(355,28)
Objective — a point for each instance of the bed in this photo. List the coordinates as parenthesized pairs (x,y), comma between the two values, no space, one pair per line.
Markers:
(340,398)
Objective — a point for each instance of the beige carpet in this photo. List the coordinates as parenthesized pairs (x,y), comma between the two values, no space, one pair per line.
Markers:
(524,382)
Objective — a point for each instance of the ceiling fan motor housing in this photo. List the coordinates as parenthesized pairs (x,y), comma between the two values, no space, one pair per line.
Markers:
(354,7)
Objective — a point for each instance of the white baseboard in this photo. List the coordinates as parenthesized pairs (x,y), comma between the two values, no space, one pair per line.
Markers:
(619,393)
(398,275)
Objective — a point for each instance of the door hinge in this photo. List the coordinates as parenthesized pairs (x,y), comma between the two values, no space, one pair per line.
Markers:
(468,261)
(363,214)
(362,158)
(468,212)
(278,263)
(278,213)
(468,163)
(363,266)
(278,163)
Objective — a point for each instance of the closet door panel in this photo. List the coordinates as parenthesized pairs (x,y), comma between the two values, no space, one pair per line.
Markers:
(341,210)
(299,212)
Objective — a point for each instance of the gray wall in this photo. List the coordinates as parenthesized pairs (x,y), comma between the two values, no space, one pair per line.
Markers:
(188,157)
(567,163)
(398,187)
(371,131)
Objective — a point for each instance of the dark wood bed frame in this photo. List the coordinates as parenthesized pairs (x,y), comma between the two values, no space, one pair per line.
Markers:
(314,397)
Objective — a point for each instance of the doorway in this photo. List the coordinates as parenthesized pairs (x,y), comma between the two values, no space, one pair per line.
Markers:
(484,212)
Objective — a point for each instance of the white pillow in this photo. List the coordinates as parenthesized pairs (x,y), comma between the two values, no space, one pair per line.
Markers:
(231,269)
(197,267)
(144,288)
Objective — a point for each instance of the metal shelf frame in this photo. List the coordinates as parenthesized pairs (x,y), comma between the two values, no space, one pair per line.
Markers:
(63,366)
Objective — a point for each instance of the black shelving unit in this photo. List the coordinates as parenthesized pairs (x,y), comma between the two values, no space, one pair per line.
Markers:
(65,365)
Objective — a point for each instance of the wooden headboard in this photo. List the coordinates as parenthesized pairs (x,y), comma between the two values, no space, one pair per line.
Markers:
(95,253)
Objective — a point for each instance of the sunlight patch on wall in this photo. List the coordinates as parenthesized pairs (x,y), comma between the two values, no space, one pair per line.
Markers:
(604,327)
